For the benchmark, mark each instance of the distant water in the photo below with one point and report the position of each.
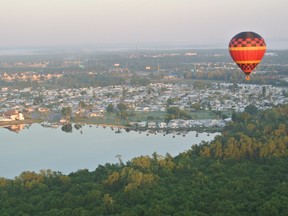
(36, 148)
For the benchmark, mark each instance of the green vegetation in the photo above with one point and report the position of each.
(176, 112)
(66, 111)
(123, 118)
(242, 172)
(97, 69)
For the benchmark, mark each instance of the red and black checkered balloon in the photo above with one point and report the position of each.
(247, 50)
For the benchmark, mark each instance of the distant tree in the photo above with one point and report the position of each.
(233, 87)
(138, 80)
(200, 84)
(110, 108)
(264, 91)
(251, 109)
(121, 107)
(124, 92)
(169, 101)
(173, 111)
(66, 111)
(234, 116)
(123, 114)
(38, 100)
(149, 91)
(82, 104)
(188, 75)
(196, 106)
(176, 112)
(83, 92)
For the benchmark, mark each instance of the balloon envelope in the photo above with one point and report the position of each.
(247, 50)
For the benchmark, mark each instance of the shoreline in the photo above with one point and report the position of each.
(38, 121)
(32, 121)
(17, 122)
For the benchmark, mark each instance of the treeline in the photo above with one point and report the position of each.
(235, 75)
(252, 135)
(241, 172)
(70, 81)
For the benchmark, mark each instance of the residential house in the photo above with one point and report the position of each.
(162, 125)
(173, 124)
(151, 124)
(14, 115)
(142, 124)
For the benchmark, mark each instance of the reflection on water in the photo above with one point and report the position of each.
(69, 128)
(14, 128)
(36, 147)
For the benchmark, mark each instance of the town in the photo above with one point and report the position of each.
(136, 97)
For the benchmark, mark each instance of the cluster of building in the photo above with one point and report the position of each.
(93, 102)
(28, 76)
(12, 115)
(180, 123)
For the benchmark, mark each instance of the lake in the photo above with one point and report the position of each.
(36, 147)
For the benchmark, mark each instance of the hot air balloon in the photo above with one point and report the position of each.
(247, 50)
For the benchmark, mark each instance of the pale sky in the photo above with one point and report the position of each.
(31, 23)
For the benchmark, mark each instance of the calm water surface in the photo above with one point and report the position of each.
(36, 148)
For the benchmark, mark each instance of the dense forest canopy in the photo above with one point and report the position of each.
(242, 172)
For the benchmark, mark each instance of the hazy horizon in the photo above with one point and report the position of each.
(127, 47)
(170, 23)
